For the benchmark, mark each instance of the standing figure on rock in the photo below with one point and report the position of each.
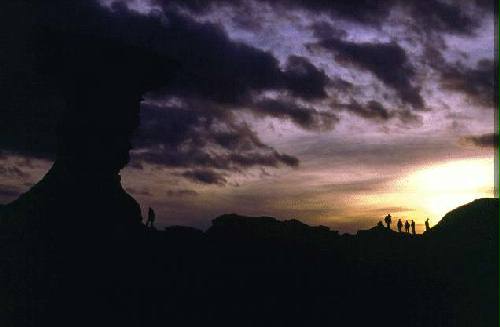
(151, 219)
(427, 228)
(413, 227)
(388, 221)
(400, 225)
(407, 227)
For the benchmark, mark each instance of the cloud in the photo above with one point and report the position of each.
(141, 192)
(428, 15)
(200, 137)
(212, 66)
(489, 140)
(304, 117)
(477, 84)
(365, 11)
(387, 61)
(370, 185)
(374, 110)
(274, 159)
(8, 193)
(13, 171)
(304, 80)
(205, 176)
(439, 16)
(324, 30)
(383, 154)
(181, 193)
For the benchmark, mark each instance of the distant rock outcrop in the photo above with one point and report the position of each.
(236, 226)
(478, 218)
(469, 234)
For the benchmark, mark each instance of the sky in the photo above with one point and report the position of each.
(331, 113)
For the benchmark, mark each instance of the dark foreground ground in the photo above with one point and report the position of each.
(263, 272)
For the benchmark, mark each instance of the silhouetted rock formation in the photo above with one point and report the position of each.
(262, 271)
(463, 249)
(69, 234)
(475, 218)
(73, 241)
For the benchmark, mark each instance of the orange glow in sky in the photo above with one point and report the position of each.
(445, 186)
(434, 190)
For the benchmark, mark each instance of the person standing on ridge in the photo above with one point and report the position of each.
(407, 227)
(388, 221)
(400, 225)
(151, 219)
(427, 228)
(413, 227)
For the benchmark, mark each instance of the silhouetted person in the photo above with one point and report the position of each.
(407, 227)
(151, 219)
(427, 227)
(400, 225)
(413, 227)
(380, 224)
(388, 221)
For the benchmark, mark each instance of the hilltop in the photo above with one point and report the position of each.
(477, 217)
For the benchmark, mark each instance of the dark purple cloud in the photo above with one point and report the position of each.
(201, 137)
(439, 16)
(375, 111)
(372, 110)
(274, 159)
(324, 30)
(304, 80)
(387, 61)
(427, 15)
(205, 176)
(489, 140)
(304, 117)
(477, 84)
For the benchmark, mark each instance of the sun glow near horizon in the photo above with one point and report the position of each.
(440, 188)
(432, 191)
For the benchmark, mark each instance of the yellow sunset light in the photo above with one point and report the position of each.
(442, 187)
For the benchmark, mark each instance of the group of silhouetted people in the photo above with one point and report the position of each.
(407, 225)
(388, 220)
